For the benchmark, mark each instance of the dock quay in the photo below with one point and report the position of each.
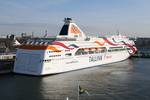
(7, 57)
(6, 63)
(142, 54)
(143, 47)
(8, 45)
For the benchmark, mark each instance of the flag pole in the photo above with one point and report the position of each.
(78, 91)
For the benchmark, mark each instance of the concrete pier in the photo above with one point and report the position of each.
(7, 56)
(143, 48)
(6, 63)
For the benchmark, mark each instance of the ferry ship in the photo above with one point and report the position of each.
(70, 50)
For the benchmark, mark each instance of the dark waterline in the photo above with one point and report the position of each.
(127, 80)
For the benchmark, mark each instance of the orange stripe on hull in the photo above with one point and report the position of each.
(101, 44)
(34, 47)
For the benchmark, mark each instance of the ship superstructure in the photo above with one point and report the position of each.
(70, 50)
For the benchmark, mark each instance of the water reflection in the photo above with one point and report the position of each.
(101, 80)
(127, 80)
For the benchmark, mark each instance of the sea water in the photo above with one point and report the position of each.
(126, 80)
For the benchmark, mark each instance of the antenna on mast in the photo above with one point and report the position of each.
(118, 32)
(45, 34)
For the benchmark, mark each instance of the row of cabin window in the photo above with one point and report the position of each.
(48, 60)
(128, 48)
(56, 51)
(113, 50)
(82, 52)
(67, 54)
(54, 55)
(52, 51)
(120, 47)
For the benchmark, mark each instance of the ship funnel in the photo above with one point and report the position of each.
(68, 20)
(71, 30)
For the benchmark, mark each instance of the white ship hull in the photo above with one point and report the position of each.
(36, 67)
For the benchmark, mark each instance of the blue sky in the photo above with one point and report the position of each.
(104, 17)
